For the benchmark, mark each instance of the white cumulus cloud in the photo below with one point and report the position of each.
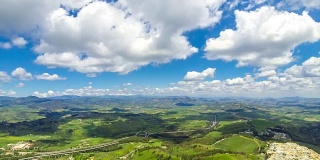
(266, 73)
(123, 36)
(239, 80)
(5, 45)
(309, 68)
(25, 16)
(264, 37)
(22, 74)
(19, 42)
(198, 76)
(4, 77)
(7, 93)
(50, 93)
(312, 61)
(291, 82)
(48, 77)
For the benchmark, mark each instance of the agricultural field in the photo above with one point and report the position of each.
(238, 144)
(153, 128)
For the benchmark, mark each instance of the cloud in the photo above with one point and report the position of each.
(91, 75)
(127, 84)
(260, 1)
(7, 93)
(232, 4)
(251, 4)
(50, 93)
(298, 4)
(4, 77)
(22, 74)
(75, 4)
(274, 86)
(23, 16)
(291, 82)
(309, 68)
(295, 70)
(19, 42)
(312, 61)
(20, 85)
(266, 73)
(26, 17)
(239, 81)
(197, 76)
(123, 36)
(264, 37)
(5, 45)
(48, 77)
(86, 91)
(235, 81)
(311, 4)
(90, 91)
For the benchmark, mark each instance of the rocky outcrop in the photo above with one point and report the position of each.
(290, 151)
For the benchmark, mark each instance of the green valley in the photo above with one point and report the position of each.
(153, 127)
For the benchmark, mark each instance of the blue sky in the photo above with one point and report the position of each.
(212, 48)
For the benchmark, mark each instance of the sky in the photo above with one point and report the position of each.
(201, 48)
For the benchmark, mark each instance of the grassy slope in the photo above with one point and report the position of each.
(15, 114)
(225, 157)
(238, 144)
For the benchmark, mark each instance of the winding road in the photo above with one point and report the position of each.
(146, 134)
(71, 151)
(95, 147)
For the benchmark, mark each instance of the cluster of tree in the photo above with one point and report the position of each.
(111, 148)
